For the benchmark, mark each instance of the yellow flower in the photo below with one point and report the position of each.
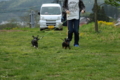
(81, 34)
(106, 23)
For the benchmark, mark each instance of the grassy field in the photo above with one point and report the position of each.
(97, 58)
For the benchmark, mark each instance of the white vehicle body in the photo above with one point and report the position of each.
(50, 15)
(118, 22)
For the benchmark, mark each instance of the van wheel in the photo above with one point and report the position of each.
(41, 29)
(59, 29)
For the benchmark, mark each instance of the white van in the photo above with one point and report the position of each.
(50, 16)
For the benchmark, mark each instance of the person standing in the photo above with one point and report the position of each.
(73, 8)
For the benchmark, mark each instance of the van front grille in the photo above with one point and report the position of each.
(50, 22)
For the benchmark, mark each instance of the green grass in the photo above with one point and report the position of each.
(97, 58)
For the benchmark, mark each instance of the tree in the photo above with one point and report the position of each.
(110, 2)
(96, 23)
(113, 2)
(101, 15)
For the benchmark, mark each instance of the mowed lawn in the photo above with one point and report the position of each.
(97, 58)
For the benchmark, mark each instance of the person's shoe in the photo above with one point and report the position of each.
(76, 45)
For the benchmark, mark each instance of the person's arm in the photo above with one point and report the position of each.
(65, 6)
(81, 6)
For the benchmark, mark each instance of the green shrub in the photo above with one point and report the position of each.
(8, 26)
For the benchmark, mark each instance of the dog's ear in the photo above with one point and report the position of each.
(65, 39)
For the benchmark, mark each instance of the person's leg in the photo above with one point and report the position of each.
(70, 29)
(76, 32)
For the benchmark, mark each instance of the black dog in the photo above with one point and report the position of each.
(66, 43)
(34, 42)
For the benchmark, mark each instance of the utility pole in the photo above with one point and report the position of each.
(32, 20)
(96, 23)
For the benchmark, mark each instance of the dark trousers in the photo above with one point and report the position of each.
(73, 27)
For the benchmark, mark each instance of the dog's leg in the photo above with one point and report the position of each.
(65, 47)
(37, 45)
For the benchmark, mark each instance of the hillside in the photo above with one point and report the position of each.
(15, 8)
(20, 4)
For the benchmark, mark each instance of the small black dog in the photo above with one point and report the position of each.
(34, 42)
(66, 43)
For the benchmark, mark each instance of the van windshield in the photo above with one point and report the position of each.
(50, 11)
